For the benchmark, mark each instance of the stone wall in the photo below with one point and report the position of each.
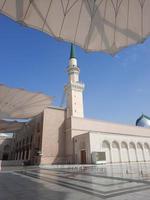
(53, 136)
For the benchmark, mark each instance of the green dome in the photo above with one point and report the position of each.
(143, 121)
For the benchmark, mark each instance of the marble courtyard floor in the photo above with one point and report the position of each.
(112, 182)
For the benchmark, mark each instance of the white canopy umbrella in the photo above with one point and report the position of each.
(21, 104)
(95, 25)
(10, 126)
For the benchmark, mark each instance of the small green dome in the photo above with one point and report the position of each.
(143, 121)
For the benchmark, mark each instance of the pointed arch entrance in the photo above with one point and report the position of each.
(125, 152)
(116, 152)
(147, 151)
(132, 152)
(140, 152)
(106, 149)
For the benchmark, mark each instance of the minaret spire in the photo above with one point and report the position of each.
(72, 52)
(73, 69)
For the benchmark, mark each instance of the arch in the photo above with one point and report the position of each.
(132, 152)
(116, 152)
(6, 148)
(124, 152)
(132, 145)
(147, 151)
(124, 145)
(105, 144)
(140, 152)
(6, 151)
(146, 146)
(106, 149)
(27, 154)
(115, 144)
(139, 145)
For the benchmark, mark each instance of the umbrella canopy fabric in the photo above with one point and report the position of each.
(10, 126)
(20, 104)
(95, 25)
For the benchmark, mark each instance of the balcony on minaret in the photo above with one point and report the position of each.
(73, 72)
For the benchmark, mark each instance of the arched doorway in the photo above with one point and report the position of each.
(125, 153)
(140, 152)
(106, 149)
(5, 156)
(6, 152)
(132, 152)
(147, 151)
(27, 154)
(116, 152)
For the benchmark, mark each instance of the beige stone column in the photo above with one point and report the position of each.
(21, 155)
(25, 154)
(18, 155)
(144, 153)
(29, 154)
(136, 152)
(120, 152)
(129, 159)
(111, 154)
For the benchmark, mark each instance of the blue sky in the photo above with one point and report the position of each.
(117, 88)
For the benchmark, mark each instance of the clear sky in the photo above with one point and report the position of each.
(117, 88)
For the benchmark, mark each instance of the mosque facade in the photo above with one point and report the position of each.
(64, 136)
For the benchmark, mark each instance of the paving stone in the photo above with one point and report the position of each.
(104, 182)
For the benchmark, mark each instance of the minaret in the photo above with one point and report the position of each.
(74, 88)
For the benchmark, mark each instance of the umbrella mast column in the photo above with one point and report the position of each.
(74, 89)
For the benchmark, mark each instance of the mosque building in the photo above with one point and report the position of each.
(64, 136)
